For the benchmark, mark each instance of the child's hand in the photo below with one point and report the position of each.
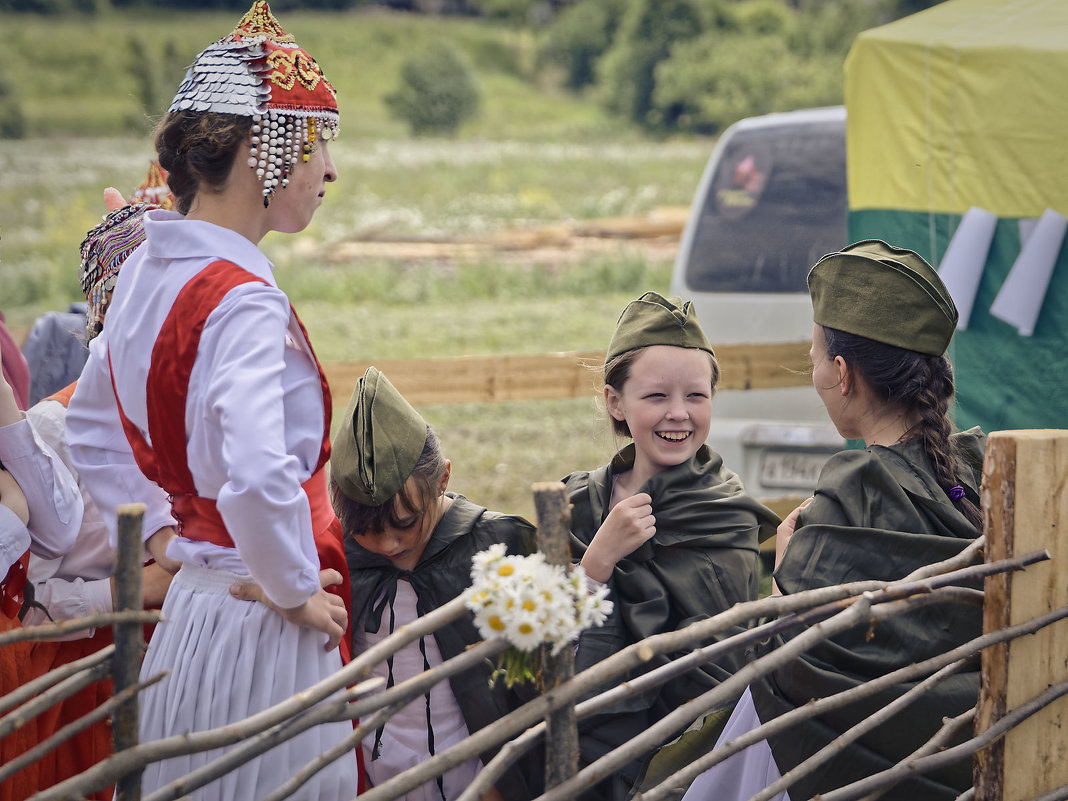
(12, 496)
(155, 581)
(113, 199)
(157, 547)
(327, 578)
(628, 526)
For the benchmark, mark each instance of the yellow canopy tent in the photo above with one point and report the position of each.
(965, 106)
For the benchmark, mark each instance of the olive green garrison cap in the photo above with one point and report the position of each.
(655, 320)
(883, 293)
(379, 442)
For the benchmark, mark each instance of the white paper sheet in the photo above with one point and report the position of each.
(1020, 299)
(962, 266)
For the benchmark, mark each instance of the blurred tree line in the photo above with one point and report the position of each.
(668, 66)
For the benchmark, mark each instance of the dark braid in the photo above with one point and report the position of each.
(917, 382)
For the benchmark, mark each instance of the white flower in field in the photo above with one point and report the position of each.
(530, 602)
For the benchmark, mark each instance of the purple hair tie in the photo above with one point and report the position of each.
(956, 493)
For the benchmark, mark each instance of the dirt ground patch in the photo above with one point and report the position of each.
(654, 236)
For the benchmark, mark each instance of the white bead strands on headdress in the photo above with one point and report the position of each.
(259, 71)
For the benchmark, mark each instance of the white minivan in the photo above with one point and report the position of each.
(772, 201)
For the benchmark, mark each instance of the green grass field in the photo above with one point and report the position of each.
(533, 156)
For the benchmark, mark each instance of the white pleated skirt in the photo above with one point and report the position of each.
(230, 659)
(743, 775)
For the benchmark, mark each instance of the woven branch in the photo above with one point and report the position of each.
(419, 684)
(107, 772)
(941, 738)
(822, 705)
(290, 787)
(75, 726)
(247, 750)
(66, 688)
(630, 657)
(53, 631)
(821, 757)
(954, 754)
(53, 677)
(861, 611)
(1060, 794)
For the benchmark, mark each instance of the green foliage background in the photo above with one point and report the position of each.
(589, 109)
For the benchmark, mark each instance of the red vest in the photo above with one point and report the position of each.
(165, 461)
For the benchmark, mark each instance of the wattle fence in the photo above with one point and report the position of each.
(1017, 745)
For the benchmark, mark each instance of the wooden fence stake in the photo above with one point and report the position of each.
(561, 735)
(1025, 508)
(129, 641)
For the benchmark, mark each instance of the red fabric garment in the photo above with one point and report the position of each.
(90, 745)
(16, 668)
(16, 368)
(173, 356)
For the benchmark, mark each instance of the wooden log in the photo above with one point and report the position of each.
(576, 374)
(1025, 508)
(561, 739)
(129, 640)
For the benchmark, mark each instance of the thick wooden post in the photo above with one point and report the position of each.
(129, 640)
(561, 736)
(1025, 508)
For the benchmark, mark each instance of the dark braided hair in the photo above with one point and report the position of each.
(917, 382)
(197, 150)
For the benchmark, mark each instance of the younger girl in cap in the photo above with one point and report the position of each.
(665, 524)
(203, 380)
(409, 544)
(883, 321)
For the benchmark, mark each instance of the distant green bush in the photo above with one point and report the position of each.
(12, 118)
(578, 37)
(647, 32)
(438, 91)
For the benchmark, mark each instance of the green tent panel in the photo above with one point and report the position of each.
(966, 104)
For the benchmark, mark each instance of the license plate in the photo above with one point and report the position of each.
(791, 468)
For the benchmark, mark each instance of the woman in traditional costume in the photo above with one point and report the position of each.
(204, 381)
(81, 582)
(409, 543)
(665, 524)
(883, 322)
(40, 511)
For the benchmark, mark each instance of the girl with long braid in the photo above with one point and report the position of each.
(883, 322)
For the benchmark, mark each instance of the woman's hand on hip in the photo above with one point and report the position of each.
(324, 611)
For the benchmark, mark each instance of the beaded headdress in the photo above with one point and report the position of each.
(104, 249)
(259, 71)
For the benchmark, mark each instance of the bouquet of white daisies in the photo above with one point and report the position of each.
(530, 602)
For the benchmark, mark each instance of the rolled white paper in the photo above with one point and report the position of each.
(1020, 299)
(1027, 225)
(962, 265)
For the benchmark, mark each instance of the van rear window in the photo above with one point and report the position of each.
(776, 203)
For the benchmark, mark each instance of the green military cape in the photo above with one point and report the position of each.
(877, 514)
(702, 560)
(442, 573)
